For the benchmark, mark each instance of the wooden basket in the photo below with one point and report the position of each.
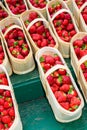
(20, 66)
(82, 23)
(74, 59)
(34, 46)
(6, 62)
(48, 51)
(60, 113)
(9, 21)
(64, 47)
(81, 79)
(69, 4)
(24, 16)
(76, 11)
(17, 124)
(11, 11)
(50, 4)
(2, 6)
(43, 10)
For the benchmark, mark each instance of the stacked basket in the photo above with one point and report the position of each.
(9, 115)
(9, 29)
(53, 70)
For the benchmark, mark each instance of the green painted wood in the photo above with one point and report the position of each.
(38, 115)
(27, 86)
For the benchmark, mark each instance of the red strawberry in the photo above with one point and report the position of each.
(60, 96)
(61, 71)
(65, 88)
(32, 29)
(36, 37)
(33, 15)
(6, 119)
(40, 29)
(49, 59)
(66, 79)
(65, 105)
(54, 87)
(50, 79)
(75, 102)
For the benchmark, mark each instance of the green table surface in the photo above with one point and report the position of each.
(38, 115)
(35, 111)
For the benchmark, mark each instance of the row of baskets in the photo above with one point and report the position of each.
(9, 113)
(30, 33)
(16, 8)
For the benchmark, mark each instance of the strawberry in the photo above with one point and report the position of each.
(54, 87)
(85, 75)
(32, 29)
(6, 119)
(1, 126)
(11, 112)
(40, 29)
(65, 105)
(65, 88)
(75, 102)
(61, 71)
(66, 79)
(36, 37)
(33, 15)
(50, 79)
(49, 59)
(60, 96)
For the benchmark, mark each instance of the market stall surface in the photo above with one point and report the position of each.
(35, 111)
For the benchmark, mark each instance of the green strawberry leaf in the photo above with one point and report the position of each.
(55, 55)
(15, 43)
(83, 46)
(85, 63)
(76, 106)
(1, 96)
(6, 125)
(42, 59)
(27, 21)
(60, 79)
(58, 23)
(53, 5)
(70, 90)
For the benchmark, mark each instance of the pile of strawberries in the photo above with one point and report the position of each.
(3, 79)
(84, 14)
(64, 26)
(48, 61)
(17, 44)
(7, 113)
(80, 47)
(39, 3)
(3, 13)
(33, 15)
(1, 53)
(41, 35)
(84, 69)
(80, 2)
(16, 6)
(62, 87)
(54, 8)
